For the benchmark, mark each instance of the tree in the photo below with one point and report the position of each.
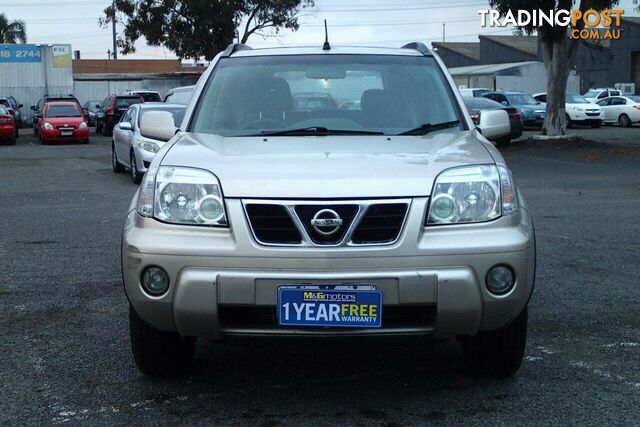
(199, 28)
(558, 51)
(12, 31)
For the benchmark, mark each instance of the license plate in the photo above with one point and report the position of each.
(330, 306)
(66, 132)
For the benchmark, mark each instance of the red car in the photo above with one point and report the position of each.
(62, 121)
(7, 126)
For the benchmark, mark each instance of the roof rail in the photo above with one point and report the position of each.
(234, 47)
(420, 47)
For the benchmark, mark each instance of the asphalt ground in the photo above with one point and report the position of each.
(64, 344)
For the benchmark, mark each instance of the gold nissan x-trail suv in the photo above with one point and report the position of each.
(315, 192)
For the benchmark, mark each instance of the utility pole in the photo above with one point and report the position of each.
(113, 30)
(443, 30)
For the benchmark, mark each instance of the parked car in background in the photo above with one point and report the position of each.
(147, 95)
(62, 121)
(578, 110)
(258, 219)
(179, 95)
(14, 105)
(37, 109)
(132, 149)
(4, 102)
(475, 106)
(624, 110)
(113, 107)
(91, 110)
(594, 95)
(314, 101)
(8, 128)
(532, 111)
(473, 92)
(351, 105)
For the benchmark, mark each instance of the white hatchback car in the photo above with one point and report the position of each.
(133, 150)
(578, 109)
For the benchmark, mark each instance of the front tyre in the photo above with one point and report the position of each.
(115, 164)
(158, 353)
(136, 176)
(497, 353)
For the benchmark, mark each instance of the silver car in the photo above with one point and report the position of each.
(134, 150)
(394, 218)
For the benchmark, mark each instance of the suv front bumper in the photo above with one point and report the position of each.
(224, 283)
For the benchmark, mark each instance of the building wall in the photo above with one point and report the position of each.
(29, 81)
(606, 66)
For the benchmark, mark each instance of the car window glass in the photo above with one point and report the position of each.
(126, 102)
(150, 97)
(618, 101)
(614, 93)
(249, 95)
(53, 111)
(3, 111)
(603, 103)
(603, 95)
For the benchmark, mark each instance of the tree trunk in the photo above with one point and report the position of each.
(557, 61)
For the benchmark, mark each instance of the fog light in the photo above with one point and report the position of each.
(500, 279)
(155, 281)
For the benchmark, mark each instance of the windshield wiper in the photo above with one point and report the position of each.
(428, 127)
(315, 130)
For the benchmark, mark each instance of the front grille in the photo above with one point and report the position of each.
(272, 224)
(380, 224)
(346, 213)
(331, 224)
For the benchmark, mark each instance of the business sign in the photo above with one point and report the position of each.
(20, 53)
(61, 56)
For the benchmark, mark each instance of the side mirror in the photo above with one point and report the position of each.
(505, 103)
(494, 124)
(85, 111)
(125, 126)
(158, 125)
(20, 105)
(33, 108)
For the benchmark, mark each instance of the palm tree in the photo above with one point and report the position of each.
(12, 31)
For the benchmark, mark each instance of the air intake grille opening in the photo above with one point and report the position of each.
(380, 224)
(272, 224)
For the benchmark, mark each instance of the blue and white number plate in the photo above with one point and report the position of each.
(336, 306)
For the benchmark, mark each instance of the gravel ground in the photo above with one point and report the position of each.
(64, 346)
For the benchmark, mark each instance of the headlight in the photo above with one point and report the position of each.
(83, 125)
(182, 196)
(578, 109)
(48, 126)
(151, 147)
(527, 110)
(472, 194)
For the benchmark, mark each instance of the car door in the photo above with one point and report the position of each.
(119, 138)
(618, 106)
(127, 135)
(605, 104)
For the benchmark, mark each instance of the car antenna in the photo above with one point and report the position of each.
(326, 45)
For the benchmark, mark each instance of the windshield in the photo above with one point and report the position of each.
(356, 93)
(635, 99)
(124, 103)
(63, 111)
(522, 99)
(577, 99)
(150, 96)
(177, 113)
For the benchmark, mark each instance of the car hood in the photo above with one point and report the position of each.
(585, 106)
(62, 121)
(330, 167)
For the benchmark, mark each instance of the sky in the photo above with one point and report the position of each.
(351, 22)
